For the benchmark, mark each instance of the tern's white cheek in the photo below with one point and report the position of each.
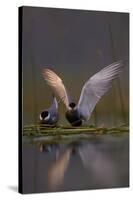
(70, 109)
(40, 117)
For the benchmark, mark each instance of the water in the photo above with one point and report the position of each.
(100, 162)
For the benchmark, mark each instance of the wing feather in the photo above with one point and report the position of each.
(56, 84)
(96, 87)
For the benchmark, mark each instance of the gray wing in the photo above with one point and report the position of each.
(96, 87)
(56, 85)
(54, 107)
(54, 110)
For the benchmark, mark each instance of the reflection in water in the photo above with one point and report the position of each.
(92, 159)
(57, 170)
(97, 163)
(50, 148)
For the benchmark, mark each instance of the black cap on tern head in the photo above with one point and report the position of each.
(44, 114)
(72, 105)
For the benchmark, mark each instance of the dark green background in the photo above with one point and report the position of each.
(75, 44)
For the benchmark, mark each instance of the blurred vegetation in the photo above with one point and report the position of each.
(53, 134)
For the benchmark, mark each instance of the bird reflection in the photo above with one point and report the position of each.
(50, 148)
(57, 170)
(95, 161)
(100, 165)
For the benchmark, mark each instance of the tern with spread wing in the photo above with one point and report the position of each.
(92, 91)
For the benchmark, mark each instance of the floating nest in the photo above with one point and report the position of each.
(54, 134)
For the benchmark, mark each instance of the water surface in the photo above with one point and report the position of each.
(100, 162)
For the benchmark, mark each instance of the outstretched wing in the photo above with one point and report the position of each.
(96, 87)
(56, 84)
